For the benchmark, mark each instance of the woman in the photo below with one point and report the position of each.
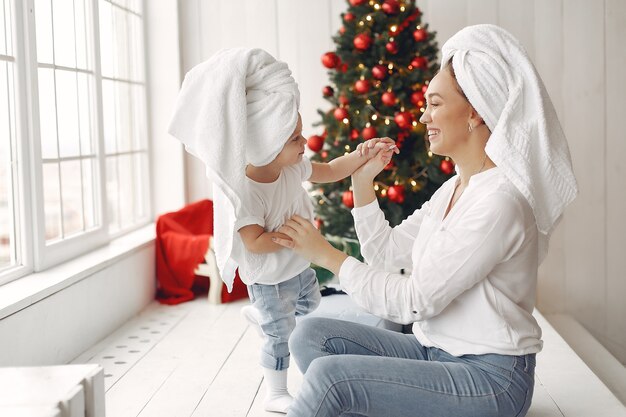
(476, 246)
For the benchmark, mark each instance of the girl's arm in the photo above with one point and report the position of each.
(257, 240)
(343, 166)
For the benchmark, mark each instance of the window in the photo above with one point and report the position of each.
(88, 153)
(123, 87)
(9, 254)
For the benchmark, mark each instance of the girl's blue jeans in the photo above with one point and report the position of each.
(352, 369)
(278, 306)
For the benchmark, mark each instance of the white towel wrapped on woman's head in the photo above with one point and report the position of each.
(527, 141)
(238, 107)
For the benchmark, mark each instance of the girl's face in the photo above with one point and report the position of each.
(447, 115)
(294, 148)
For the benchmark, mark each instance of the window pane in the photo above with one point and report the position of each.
(89, 186)
(124, 116)
(112, 194)
(120, 49)
(8, 187)
(141, 187)
(108, 115)
(3, 30)
(64, 39)
(139, 121)
(47, 114)
(52, 201)
(67, 113)
(71, 186)
(106, 38)
(126, 187)
(43, 21)
(82, 52)
(137, 57)
(85, 114)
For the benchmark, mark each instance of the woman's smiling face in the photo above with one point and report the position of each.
(447, 115)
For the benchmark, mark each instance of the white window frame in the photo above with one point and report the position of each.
(35, 253)
(20, 170)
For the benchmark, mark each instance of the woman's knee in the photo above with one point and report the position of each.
(308, 339)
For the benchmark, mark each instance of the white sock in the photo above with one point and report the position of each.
(250, 314)
(278, 398)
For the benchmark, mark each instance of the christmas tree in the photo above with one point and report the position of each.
(380, 70)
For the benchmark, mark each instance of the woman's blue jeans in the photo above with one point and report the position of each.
(352, 369)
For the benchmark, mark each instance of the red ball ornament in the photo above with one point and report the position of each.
(389, 98)
(379, 72)
(362, 86)
(354, 134)
(348, 198)
(342, 30)
(391, 7)
(404, 120)
(348, 17)
(343, 67)
(395, 193)
(424, 88)
(419, 62)
(417, 98)
(330, 60)
(315, 143)
(328, 91)
(318, 223)
(362, 41)
(324, 154)
(343, 100)
(392, 47)
(340, 113)
(369, 133)
(357, 2)
(446, 166)
(420, 35)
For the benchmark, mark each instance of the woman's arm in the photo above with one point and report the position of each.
(454, 260)
(381, 245)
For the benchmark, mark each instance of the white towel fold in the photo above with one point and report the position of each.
(527, 141)
(238, 107)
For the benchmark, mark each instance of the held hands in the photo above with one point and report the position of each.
(379, 152)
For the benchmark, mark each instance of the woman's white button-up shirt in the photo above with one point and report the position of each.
(471, 276)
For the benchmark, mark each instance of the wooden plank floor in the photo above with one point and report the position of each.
(201, 360)
(193, 359)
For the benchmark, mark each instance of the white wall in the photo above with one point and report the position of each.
(60, 327)
(579, 49)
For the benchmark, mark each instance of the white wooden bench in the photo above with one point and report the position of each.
(564, 385)
(52, 391)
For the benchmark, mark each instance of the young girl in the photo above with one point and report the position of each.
(238, 113)
(281, 284)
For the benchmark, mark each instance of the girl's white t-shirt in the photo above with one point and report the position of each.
(270, 205)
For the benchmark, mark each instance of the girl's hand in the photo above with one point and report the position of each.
(372, 147)
(309, 243)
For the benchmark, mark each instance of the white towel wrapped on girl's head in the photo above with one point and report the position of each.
(527, 141)
(238, 107)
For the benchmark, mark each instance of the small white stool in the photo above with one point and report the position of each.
(209, 269)
(52, 391)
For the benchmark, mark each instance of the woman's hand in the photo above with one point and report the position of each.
(371, 168)
(309, 243)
